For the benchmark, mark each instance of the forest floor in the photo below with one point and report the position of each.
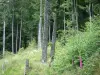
(14, 64)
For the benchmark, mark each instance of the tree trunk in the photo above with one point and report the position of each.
(17, 39)
(49, 33)
(20, 39)
(45, 32)
(13, 28)
(31, 36)
(40, 28)
(53, 38)
(4, 36)
(73, 14)
(64, 21)
(13, 33)
(76, 14)
(90, 14)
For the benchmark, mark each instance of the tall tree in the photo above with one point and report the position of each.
(90, 13)
(20, 37)
(49, 33)
(76, 14)
(13, 28)
(53, 37)
(40, 28)
(64, 19)
(4, 24)
(45, 32)
(17, 38)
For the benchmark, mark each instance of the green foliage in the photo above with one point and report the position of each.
(83, 44)
(15, 64)
(74, 44)
(92, 66)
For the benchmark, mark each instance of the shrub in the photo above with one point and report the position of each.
(83, 44)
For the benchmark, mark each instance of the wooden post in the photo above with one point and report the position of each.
(81, 64)
(73, 61)
(26, 67)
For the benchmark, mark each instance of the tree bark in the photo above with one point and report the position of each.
(64, 21)
(73, 13)
(90, 14)
(40, 28)
(4, 24)
(20, 39)
(45, 32)
(13, 32)
(76, 14)
(49, 33)
(53, 37)
(17, 39)
(13, 28)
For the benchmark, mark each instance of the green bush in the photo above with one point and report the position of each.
(83, 44)
(92, 66)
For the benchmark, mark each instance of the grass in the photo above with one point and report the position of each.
(14, 64)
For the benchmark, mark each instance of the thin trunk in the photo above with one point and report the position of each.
(4, 37)
(64, 21)
(20, 39)
(42, 36)
(13, 33)
(31, 37)
(90, 14)
(53, 38)
(13, 28)
(40, 28)
(73, 13)
(49, 33)
(46, 30)
(17, 39)
(76, 13)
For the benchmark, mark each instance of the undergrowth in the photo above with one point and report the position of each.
(83, 44)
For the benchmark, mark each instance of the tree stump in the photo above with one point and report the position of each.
(26, 67)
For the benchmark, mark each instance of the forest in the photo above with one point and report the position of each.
(49, 37)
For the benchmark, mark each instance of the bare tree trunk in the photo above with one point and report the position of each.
(46, 30)
(73, 13)
(49, 33)
(40, 28)
(42, 36)
(13, 28)
(17, 39)
(31, 36)
(53, 37)
(20, 39)
(4, 24)
(64, 22)
(90, 14)
(13, 33)
(76, 14)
